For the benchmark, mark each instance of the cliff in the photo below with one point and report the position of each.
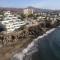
(10, 43)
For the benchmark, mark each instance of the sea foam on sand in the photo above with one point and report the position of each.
(19, 56)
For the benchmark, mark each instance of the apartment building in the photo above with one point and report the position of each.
(28, 11)
(11, 22)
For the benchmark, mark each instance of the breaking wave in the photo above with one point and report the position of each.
(21, 55)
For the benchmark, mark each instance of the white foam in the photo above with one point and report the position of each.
(50, 31)
(58, 26)
(21, 55)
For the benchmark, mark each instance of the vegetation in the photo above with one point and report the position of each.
(22, 16)
(17, 40)
(2, 27)
(21, 28)
(30, 15)
(21, 37)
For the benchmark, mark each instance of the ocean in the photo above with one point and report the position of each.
(45, 47)
(48, 47)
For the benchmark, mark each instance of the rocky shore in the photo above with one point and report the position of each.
(10, 43)
(17, 40)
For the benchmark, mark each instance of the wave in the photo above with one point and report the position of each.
(19, 56)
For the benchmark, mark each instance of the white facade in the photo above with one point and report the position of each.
(11, 22)
(28, 11)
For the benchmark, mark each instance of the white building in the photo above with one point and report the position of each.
(28, 11)
(11, 22)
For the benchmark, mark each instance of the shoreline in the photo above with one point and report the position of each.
(20, 55)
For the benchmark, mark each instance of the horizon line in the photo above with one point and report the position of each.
(27, 7)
